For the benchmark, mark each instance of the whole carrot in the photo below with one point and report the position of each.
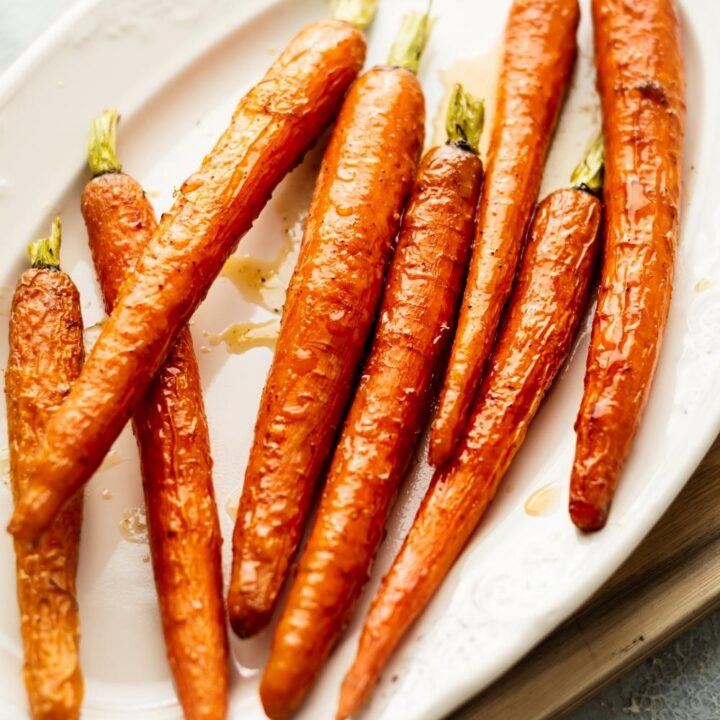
(543, 315)
(46, 354)
(332, 300)
(418, 308)
(640, 75)
(540, 47)
(172, 435)
(272, 127)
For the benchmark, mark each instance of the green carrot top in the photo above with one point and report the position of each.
(102, 144)
(588, 175)
(411, 40)
(465, 119)
(359, 13)
(45, 252)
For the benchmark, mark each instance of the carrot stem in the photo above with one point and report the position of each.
(359, 13)
(411, 40)
(465, 119)
(102, 144)
(45, 252)
(588, 175)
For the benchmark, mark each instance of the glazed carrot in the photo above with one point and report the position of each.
(540, 48)
(46, 354)
(366, 175)
(640, 74)
(418, 308)
(172, 436)
(536, 336)
(272, 127)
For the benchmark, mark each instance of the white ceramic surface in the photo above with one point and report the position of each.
(175, 68)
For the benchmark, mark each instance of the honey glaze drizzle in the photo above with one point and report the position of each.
(133, 526)
(232, 505)
(240, 337)
(112, 459)
(544, 501)
(264, 282)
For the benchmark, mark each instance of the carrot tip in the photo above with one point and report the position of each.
(587, 517)
(354, 693)
(348, 709)
(16, 528)
(29, 519)
(277, 700)
(437, 453)
(247, 621)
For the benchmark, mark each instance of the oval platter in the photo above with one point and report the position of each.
(175, 69)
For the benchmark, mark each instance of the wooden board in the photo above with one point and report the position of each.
(669, 583)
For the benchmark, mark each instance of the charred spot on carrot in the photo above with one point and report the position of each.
(653, 90)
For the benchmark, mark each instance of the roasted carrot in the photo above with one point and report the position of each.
(418, 308)
(539, 53)
(366, 175)
(172, 436)
(272, 127)
(46, 354)
(543, 315)
(641, 80)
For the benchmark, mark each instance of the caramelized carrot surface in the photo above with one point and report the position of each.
(540, 47)
(172, 436)
(543, 316)
(45, 356)
(331, 304)
(640, 75)
(418, 309)
(273, 125)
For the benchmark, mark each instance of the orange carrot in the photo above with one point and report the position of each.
(543, 315)
(418, 308)
(272, 127)
(540, 48)
(46, 354)
(366, 175)
(640, 73)
(172, 435)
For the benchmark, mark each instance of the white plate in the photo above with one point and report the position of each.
(175, 68)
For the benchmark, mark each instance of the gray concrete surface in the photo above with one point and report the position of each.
(682, 682)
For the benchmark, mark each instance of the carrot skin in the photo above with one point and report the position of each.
(641, 82)
(540, 48)
(46, 354)
(272, 127)
(366, 175)
(543, 316)
(418, 308)
(172, 435)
